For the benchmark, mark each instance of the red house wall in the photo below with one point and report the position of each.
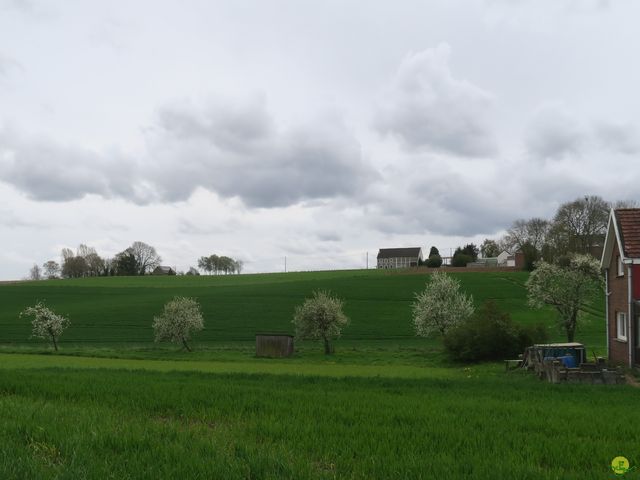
(618, 301)
(635, 280)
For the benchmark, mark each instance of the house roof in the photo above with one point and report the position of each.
(624, 229)
(164, 269)
(399, 252)
(628, 220)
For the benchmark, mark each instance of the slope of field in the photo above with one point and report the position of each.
(121, 309)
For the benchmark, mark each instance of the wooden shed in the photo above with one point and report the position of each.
(274, 345)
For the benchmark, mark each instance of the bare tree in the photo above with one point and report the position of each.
(582, 222)
(51, 269)
(35, 273)
(239, 265)
(527, 232)
(146, 257)
(66, 254)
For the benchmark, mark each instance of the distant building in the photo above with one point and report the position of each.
(399, 257)
(163, 271)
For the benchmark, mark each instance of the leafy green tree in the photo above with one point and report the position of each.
(125, 263)
(180, 317)
(569, 289)
(440, 306)
(460, 259)
(434, 251)
(472, 250)
(46, 324)
(531, 256)
(320, 318)
(489, 248)
(434, 261)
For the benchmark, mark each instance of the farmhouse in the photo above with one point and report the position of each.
(399, 257)
(621, 265)
(163, 271)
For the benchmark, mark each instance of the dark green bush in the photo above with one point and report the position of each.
(461, 260)
(434, 261)
(491, 335)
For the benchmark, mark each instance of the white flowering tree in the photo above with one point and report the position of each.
(180, 317)
(46, 324)
(568, 288)
(320, 318)
(440, 306)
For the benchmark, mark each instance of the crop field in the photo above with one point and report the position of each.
(111, 404)
(120, 309)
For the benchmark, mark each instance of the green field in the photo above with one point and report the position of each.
(118, 310)
(111, 404)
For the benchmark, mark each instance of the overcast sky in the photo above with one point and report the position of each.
(314, 130)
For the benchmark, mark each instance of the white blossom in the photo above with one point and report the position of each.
(567, 288)
(46, 323)
(180, 317)
(440, 306)
(320, 318)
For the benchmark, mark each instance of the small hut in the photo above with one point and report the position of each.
(274, 345)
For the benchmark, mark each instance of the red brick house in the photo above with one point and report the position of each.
(621, 265)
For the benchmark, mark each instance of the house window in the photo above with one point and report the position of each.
(621, 325)
(620, 267)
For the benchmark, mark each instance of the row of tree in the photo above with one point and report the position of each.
(138, 259)
(578, 226)
(214, 264)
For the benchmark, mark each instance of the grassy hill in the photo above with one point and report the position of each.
(386, 406)
(120, 309)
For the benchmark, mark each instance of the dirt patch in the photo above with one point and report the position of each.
(427, 270)
(632, 380)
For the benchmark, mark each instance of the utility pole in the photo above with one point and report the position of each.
(367, 260)
(285, 264)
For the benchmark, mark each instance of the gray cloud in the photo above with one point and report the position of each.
(328, 236)
(234, 150)
(553, 133)
(427, 108)
(237, 151)
(48, 171)
(451, 204)
(7, 65)
(618, 137)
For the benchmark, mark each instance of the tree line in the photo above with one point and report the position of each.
(138, 259)
(577, 227)
(214, 264)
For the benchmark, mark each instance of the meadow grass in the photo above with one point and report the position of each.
(476, 422)
(111, 404)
